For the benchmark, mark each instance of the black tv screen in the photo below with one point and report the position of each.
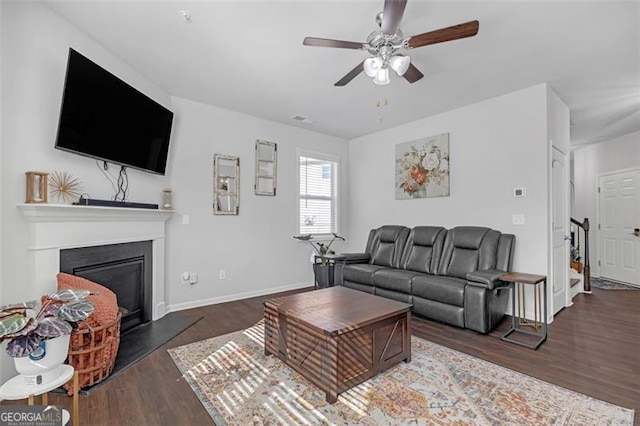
(105, 118)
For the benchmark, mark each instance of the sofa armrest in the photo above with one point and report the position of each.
(348, 258)
(489, 279)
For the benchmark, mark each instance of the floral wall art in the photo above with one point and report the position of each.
(422, 168)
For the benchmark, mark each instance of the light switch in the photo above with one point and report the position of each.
(517, 219)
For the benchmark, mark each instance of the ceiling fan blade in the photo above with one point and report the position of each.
(392, 15)
(350, 75)
(327, 42)
(455, 32)
(413, 74)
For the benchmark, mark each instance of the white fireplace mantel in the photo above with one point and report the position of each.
(54, 227)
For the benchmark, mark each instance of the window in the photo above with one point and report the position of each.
(318, 200)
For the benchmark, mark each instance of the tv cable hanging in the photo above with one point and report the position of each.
(120, 184)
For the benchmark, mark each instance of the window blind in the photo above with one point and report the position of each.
(318, 195)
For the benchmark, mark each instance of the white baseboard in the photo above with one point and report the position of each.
(232, 297)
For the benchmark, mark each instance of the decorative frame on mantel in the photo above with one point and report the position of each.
(266, 168)
(226, 184)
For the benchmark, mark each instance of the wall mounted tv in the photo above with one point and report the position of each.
(105, 118)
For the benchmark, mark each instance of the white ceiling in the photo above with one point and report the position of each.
(249, 57)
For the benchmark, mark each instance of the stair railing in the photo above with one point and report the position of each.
(585, 225)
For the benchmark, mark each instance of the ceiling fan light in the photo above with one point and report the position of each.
(400, 64)
(372, 66)
(382, 77)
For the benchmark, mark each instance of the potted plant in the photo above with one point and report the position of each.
(39, 338)
(322, 271)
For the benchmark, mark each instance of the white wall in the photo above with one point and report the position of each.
(558, 119)
(495, 146)
(35, 43)
(255, 248)
(589, 161)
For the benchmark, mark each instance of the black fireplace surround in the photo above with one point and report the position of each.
(125, 269)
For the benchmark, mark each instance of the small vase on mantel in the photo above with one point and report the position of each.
(166, 199)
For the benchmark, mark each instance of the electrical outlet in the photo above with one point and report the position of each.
(193, 278)
(223, 274)
(186, 276)
(517, 219)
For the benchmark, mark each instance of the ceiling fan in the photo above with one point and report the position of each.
(385, 43)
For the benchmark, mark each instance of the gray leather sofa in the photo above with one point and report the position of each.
(448, 275)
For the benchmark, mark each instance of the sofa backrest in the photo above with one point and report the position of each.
(423, 249)
(387, 245)
(468, 249)
(505, 252)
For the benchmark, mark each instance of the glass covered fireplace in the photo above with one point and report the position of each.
(125, 269)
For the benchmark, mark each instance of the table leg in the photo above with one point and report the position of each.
(407, 332)
(513, 306)
(76, 390)
(45, 399)
(544, 320)
(30, 400)
(330, 370)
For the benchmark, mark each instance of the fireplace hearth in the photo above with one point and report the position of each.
(125, 269)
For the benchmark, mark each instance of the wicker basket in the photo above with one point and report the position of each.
(92, 352)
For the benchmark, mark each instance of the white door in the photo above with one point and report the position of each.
(560, 230)
(619, 207)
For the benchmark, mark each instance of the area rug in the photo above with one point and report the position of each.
(605, 284)
(239, 385)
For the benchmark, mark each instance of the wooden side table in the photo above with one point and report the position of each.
(519, 320)
(15, 389)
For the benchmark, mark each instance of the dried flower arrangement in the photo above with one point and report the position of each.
(64, 186)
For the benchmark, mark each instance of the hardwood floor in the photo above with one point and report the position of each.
(593, 348)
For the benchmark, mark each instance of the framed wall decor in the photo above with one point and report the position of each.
(37, 183)
(422, 168)
(226, 184)
(266, 167)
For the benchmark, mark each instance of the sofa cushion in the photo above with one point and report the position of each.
(389, 294)
(394, 279)
(467, 249)
(441, 289)
(449, 314)
(360, 273)
(462, 262)
(424, 248)
(388, 245)
(361, 287)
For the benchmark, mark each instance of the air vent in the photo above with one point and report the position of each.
(302, 119)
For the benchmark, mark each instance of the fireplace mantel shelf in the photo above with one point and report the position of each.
(69, 213)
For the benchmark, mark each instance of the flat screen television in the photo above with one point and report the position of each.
(103, 117)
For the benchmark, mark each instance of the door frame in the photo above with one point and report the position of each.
(597, 201)
(552, 311)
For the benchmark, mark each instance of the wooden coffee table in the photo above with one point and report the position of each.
(337, 337)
